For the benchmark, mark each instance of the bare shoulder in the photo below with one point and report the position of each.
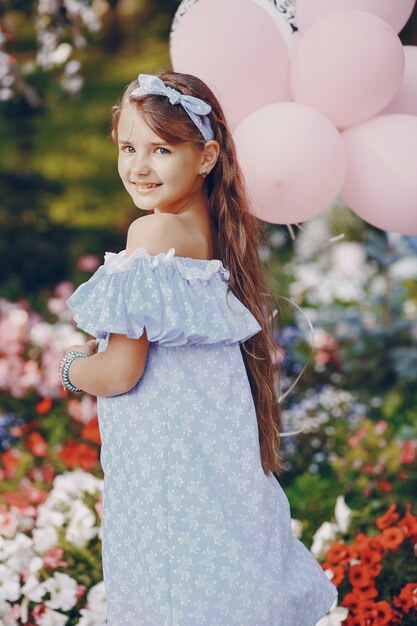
(158, 233)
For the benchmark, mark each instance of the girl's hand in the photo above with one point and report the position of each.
(89, 347)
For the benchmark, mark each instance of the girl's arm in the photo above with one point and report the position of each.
(112, 371)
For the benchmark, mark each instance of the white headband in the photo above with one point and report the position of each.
(196, 108)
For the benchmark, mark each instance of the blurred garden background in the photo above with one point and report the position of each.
(352, 476)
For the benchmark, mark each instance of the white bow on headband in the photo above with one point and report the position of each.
(196, 108)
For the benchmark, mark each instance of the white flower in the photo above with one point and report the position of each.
(305, 245)
(33, 589)
(9, 584)
(52, 618)
(18, 552)
(82, 526)
(323, 537)
(404, 268)
(348, 259)
(264, 253)
(61, 53)
(343, 514)
(278, 238)
(410, 309)
(95, 613)
(335, 616)
(44, 538)
(76, 482)
(72, 84)
(6, 94)
(63, 590)
(72, 67)
(296, 528)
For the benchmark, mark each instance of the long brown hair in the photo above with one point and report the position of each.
(237, 236)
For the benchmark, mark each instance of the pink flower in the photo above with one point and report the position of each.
(88, 262)
(64, 289)
(99, 506)
(13, 615)
(381, 426)
(37, 496)
(82, 410)
(30, 375)
(8, 524)
(13, 330)
(53, 558)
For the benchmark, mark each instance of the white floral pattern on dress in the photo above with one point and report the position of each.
(194, 533)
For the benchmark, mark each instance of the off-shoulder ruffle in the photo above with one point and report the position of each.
(179, 300)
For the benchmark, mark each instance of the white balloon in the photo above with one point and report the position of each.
(179, 13)
(282, 12)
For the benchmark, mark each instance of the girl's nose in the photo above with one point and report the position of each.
(139, 169)
(140, 164)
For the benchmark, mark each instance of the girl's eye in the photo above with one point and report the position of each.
(161, 148)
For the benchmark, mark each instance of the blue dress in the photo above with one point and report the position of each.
(194, 532)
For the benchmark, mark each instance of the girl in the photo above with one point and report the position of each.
(196, 527)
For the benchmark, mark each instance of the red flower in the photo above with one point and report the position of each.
(391, 538)
(339, 553)
(36, 444)
(385, 486)
(10, 461)
(15, 499)
(389, 517)
(361, 541)
(372, 554)
(378, 613)
(409, 524)
(407, 598)
(44, 406)
(351, 601)
(91, 431)
(338, 572)
(38, 611)
(79, 454)
(366, 591)
(408, 452)
(359, 577)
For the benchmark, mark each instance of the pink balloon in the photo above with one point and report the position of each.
(394, 12)
(405, 100)
(348, 65)
(381, 181)
(237, 49)
(293, 160)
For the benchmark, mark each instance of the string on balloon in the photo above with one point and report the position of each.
(331, 240)
(281, 397)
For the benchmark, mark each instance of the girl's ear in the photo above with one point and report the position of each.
(211, 153)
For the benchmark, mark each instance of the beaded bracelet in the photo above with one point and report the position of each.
(64, 366)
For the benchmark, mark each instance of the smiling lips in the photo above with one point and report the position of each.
(147, 187)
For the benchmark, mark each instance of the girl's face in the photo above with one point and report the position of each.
(145, 158)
